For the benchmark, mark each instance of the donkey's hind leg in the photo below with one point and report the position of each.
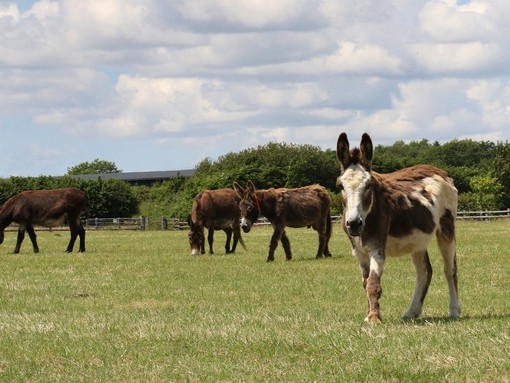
(423, 268)
(81, 233)
(286, 246)
(76, 229)
(448, 251)
(228, 231)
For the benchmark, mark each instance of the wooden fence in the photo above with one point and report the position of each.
(483, 215)
(164, 223)
(143, 223)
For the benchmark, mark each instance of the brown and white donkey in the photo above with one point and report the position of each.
(397, 213)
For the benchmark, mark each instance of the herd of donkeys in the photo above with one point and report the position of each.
(383, 215)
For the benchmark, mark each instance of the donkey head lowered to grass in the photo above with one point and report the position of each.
(216, 210)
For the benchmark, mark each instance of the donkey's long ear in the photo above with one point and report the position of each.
(250, 187)
(367, 150)
(239, 190)
(342, 150)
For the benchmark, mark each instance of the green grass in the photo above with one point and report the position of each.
(138, 308)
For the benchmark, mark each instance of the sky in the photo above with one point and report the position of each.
(162, 85)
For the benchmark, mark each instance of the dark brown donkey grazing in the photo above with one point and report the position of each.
(305, 206)
(46, 208)
(216, 210)
(393, 214)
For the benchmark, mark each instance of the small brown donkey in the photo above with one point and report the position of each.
(305, 206)
(393, 214)
(46, 208)
(216, 210)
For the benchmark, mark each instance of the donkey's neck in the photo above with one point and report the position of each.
(5, 217)
(265, 202)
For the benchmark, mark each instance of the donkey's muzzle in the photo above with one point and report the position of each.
(354, 227)
(245, 225)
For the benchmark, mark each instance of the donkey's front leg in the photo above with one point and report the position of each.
(277, 234)
(373, 287)
(210, 238)
(19, 239)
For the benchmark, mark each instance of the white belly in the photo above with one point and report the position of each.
(417, 241)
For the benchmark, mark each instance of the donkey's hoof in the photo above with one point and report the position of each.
(455, 311)
(409, 314)
(373, 318)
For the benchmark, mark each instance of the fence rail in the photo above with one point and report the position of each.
(484, 215)
(138, 223)
(145, 223)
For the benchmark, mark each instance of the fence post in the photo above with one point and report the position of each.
(164, 223)
(142, 222)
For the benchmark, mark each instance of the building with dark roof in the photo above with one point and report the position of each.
(139, 178)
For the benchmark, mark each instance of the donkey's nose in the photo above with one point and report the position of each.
(354, 226)
(245, 225)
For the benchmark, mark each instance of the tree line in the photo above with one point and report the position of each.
(481, 172)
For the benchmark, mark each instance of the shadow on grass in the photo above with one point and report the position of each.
(425, 321)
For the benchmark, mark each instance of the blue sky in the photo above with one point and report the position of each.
(154, 85)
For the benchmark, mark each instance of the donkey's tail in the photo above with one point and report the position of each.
(242, 242)
(328, 226)
(329, 229)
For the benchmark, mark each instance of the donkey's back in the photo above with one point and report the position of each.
(216, 208)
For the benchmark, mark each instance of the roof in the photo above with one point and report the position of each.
(139, 177)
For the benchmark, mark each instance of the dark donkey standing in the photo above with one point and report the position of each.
(46, 208)
(393, 214)
(300, 207)
(216, 210)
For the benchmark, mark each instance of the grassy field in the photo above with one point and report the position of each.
(138, 308)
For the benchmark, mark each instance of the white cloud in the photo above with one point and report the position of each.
(237, 74)
(246, 13)
(100, 24)
(459, 58)
(447, 21)
(493, 98)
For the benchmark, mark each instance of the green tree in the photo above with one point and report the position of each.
(95, 167)
(502, 170)
(487, 192)
(110, 198)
